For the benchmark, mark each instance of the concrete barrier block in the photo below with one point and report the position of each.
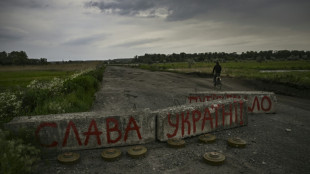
(198, 118)
(88, 130)
(258, 101)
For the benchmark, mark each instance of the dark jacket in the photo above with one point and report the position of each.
(217, 69)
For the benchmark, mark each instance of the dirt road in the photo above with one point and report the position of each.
(271, 149)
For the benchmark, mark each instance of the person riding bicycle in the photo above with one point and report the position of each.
(216, 72)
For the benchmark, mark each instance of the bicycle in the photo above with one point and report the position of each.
(218, 82)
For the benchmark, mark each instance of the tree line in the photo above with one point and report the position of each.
(19, 58)
(222, 56)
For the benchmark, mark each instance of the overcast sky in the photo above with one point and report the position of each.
(108, 29)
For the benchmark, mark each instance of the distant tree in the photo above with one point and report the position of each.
(260, 59)
(3, 58)
(18, 57)
(282, 54)
(211, 56)
(43, 61)
(3, 55)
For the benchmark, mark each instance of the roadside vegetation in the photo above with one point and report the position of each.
(18, 154)
(41, 90)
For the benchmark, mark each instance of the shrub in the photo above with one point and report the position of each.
(74, 94)
(9, 106)
(16, 156)
(86, 82)
(32, 98)
(97, 73)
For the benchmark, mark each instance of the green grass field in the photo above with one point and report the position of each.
(48, 89)
(18, 77)
(246, 70)
(12, 80)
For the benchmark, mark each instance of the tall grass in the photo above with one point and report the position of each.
(59, 95)
(36, 92)
(17, 156)
(75, 95)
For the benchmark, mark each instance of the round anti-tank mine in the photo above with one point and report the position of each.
(176, 143)
(137, 151)
(111, 154)
(236, 142)
(214, 158)
(207, 138)
(68, 157)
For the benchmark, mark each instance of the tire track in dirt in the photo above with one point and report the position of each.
(128, 88)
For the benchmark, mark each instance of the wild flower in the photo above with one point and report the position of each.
(9, 105)
(55, 107)
(37, 91)
(79, 73)
(56, 83)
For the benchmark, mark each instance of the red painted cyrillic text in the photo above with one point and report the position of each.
(269, 103)
(114, 129)
(196, 112)
(185, 120)
(224, 113)
(89, 132)
(176, 125)
(129, 128)
(207, 111)
(71, 124)
(42, 125)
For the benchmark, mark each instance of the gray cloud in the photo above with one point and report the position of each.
(137, 42)
(11, 34)
(131, 7)
(25, 3)
(101, 29)
(85, 40)
(262, 12)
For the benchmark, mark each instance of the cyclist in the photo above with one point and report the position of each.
(216, 72)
